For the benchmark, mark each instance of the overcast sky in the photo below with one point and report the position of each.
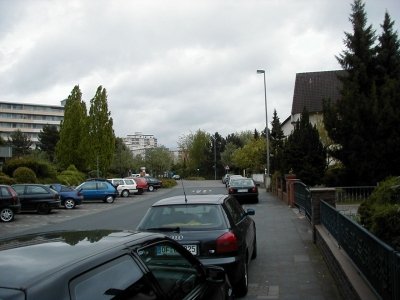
(173, 67)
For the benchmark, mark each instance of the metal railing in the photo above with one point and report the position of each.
(378, 262)
(353, 194)
(302, 198)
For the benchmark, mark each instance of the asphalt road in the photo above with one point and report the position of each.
(288, 265)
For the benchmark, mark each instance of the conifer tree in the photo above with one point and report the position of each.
(388, 91)
(101, 136)
(352, 123)
(48, 139)
(276, 139)
(71, 148)
(304, 153)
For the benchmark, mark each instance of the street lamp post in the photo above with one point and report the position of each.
(266, 121)
(215, 157)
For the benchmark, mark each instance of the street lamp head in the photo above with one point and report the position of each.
(260, 71)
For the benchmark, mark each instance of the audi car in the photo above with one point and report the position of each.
(214, 228)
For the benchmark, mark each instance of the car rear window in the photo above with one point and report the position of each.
(242, 182)
(192, 217)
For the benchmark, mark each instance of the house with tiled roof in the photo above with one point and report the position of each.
(310, 90)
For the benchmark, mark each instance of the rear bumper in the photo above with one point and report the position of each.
(245, 197)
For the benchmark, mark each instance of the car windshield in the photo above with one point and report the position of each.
(191, 217)
(242, 182)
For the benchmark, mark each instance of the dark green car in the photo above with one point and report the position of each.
(105, 264)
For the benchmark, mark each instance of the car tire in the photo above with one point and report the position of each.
(125, 193)
(43, 209)
(151, 188)
(6, 214)
(242, 285)
(69, 203)
(109, 199)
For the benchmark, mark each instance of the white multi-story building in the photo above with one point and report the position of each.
(28, 118)
(139, 142)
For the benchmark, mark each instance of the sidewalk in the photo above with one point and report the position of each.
(288, 265)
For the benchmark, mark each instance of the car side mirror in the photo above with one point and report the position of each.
(215, 274)
(250, 212)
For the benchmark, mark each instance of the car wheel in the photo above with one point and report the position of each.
(243, 284)
(6, 214)
(254, 255)
(69, 203)
(151, 188)
(109, 199)
(125, 193)
(43, 208)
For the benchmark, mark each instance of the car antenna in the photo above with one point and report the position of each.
(184, 193)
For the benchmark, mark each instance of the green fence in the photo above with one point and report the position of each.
(378, 262)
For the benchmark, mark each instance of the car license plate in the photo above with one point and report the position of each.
(191, 248)
(165, 250)
(242, 190)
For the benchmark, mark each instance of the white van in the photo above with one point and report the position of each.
(125, 186)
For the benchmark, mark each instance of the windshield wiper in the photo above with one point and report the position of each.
(166, 229)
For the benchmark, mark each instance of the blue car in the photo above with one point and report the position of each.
(98, 189)
(69, 196)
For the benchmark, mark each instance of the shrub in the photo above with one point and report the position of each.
(168, 183)
(380, 213)
(386, 224)
(71, 176)
(42, 169)
(4, 179)
(24, 175)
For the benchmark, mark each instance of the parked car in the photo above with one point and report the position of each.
(243, 189)
(105, 264)
(214, 228)
(231, 177)
(176, 177)
(38, 197)
(125, 186)
(69, 197)
(98, 189)
(141, 184)
(9, 203)
(153, 183)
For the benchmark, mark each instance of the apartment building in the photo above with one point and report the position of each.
(139, 142)
(28, 118)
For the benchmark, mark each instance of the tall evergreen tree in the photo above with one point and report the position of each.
(304, 153)
(276, 139)
(352, 123)
(101, 134)
(388, 90)
(71, 148)
(48, 139)
(20, 143)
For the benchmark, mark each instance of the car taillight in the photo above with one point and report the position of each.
(227, 243)
(15, 198)
(230, 190)
(254, 189)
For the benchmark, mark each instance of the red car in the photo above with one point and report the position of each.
(141, 184)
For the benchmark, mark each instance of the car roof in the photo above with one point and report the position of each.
(30, 258)
(191, 199)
